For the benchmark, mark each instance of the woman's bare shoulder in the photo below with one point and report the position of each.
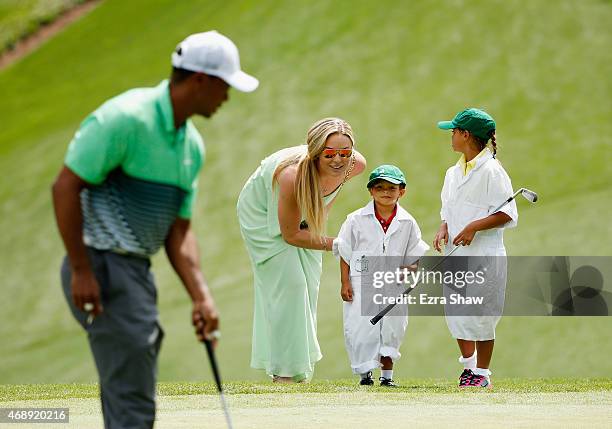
(286, 177)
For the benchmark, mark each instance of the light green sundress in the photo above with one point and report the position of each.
(286, 280)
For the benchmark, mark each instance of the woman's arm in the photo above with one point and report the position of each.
(289, 215)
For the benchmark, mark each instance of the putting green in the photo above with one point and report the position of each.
(364, 408)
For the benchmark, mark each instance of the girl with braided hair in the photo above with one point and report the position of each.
(473, 187)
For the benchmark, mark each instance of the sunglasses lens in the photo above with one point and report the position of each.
(344, 153)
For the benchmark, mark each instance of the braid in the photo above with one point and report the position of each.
(494, 144)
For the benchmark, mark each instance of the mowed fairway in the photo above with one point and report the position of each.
(515, 403)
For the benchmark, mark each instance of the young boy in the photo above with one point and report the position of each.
(382, 228)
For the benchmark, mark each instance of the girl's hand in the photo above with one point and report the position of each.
(465, 237)
(442, 234)
(346, 292)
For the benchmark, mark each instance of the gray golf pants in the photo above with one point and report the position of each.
(125, 339)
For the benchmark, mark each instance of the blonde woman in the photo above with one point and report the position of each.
(282, 211)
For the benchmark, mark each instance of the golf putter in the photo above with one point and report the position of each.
(213, 363)
(529, 195)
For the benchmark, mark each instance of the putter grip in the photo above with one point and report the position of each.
(374, 320)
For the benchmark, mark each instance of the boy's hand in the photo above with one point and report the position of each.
(441, 235)
(346, 292)
(404, 271)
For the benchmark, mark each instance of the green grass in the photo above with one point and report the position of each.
(31, 392)
(20, 18)
(392, 70)
(560, 402)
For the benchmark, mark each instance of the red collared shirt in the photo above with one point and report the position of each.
(385, 222)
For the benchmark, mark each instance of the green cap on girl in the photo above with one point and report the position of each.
(476, 121)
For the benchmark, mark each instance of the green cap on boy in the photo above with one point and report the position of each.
(387, 172)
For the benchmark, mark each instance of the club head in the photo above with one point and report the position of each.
(529, 195)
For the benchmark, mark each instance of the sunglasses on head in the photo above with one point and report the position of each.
(344, 153)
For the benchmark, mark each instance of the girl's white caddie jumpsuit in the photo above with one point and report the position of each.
(362, 235)
(468, 198)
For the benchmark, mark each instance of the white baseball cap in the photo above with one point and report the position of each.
(216, 55)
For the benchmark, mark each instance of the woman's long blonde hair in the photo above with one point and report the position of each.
(307, 187)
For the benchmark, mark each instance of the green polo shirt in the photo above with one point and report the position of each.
(142, 170)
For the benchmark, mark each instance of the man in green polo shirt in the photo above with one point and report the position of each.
(128, 188)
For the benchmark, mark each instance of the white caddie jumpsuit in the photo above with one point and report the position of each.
(468, 198)
(361, 234)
